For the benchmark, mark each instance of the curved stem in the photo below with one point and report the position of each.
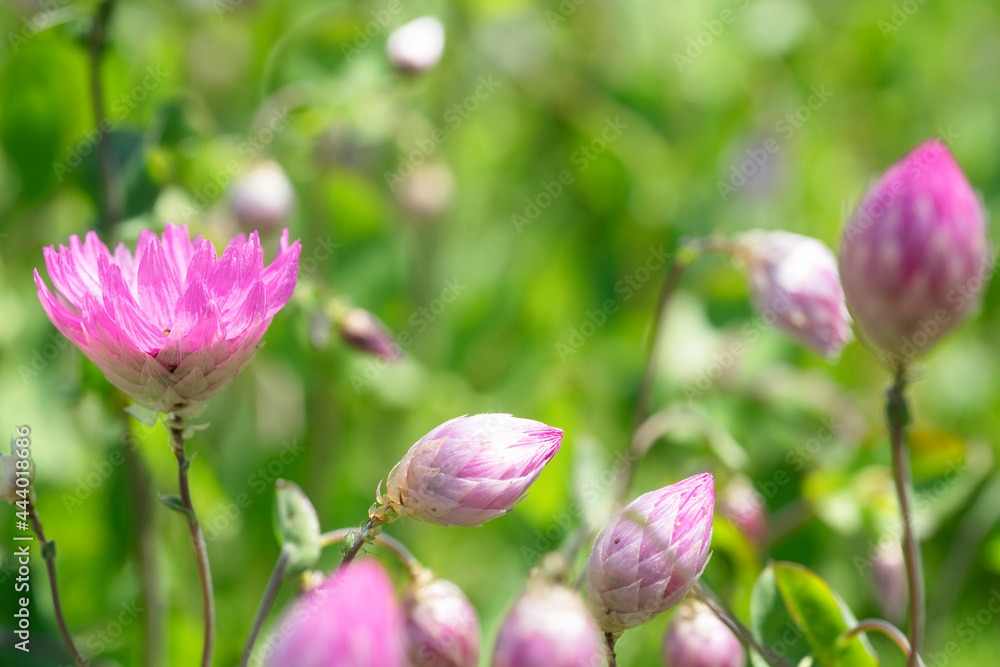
(391, 543)
(703, 593)
(898, 418)
(176, 428)
(49, 553)
(609, 641)
(265, 605)
(359, 541)
(887, 629)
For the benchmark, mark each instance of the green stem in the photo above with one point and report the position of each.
(889, 630)
(265, 605)
(49, 553)
(359, 541)
(110, 198)
(898, 418)
(392, 544)
(176, 428)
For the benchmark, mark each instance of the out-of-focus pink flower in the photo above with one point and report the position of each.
(362, 330)
(263, 197)
(442, 628)
(174, 323)
(549, 626)
(697, 638)
(796, 287)
(471, 469)
(417, 45)
(352, 619)
(913, 256)
(650, 554)
(746, 508)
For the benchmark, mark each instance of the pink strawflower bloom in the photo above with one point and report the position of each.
(650, 554)
(471, 469)
(352, 619)
(442, 627)
(173, 324)
(796, 287)
(549, 626)
(697, 638)
(914, 255)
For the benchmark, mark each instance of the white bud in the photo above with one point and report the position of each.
(417, 45)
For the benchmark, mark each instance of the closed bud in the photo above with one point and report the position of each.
(262, 198)
(352, 619)
(796, 287)
(744, 506)
(697, 638)
(442, 628)
(470, 469)
(650, 554)
(913, 255)
(417, 45)
(296, 526)
(549, 626)
(362, 330)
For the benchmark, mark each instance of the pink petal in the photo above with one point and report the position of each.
(158, 286)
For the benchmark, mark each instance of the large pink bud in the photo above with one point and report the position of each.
(352, 619)
(549, 626)
(470, 469)
(796, 286)
(442, 628)
(650, 554)
(174, 323)
(913, 256)
(697, 638)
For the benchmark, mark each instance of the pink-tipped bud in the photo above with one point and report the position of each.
(889, 572)
(417, 45)
(796, 286)
(362, 330)
(746, 508)
(442, 628)
(352, 619)
(471, 469)
(650, 554)
(697, 638)
(913, 256)
(262, 198)
(549, 626)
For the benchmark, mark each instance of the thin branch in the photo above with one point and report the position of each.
(265, 605)
(110, 188)
(887, 629)
(702, 592)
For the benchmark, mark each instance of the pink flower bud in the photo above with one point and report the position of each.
(914, 256)
(172, 325)
(697, 638)
(795, 285)
(744, 506)
(362, 330)
(262, 198)
(442, 628)
(549, 626)
(889, 572)
(416, 46)
(352, 619)
(650, 554)
(471, 469)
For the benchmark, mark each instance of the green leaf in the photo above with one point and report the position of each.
(823, 617)
(771, 623)
(175, 503)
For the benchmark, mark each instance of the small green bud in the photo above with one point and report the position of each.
(296, 527)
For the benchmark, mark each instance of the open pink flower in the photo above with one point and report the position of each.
(174, 323)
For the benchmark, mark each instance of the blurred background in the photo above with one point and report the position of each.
(510, 214)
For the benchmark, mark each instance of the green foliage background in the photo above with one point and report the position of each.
(691, 104)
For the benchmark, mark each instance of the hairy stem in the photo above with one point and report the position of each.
(49, 553)
(110, 187)
(887, 629)
(265, 606)
(703, 593)
(897, 416)
(176, 428)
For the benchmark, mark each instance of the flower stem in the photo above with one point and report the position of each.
(176, 428)
(265, 605)
(49, 553)
(392, 544)
(363, 536)
(609, 641)
(889, 630)
(110, 188)
(703, 593)
(897, 415)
